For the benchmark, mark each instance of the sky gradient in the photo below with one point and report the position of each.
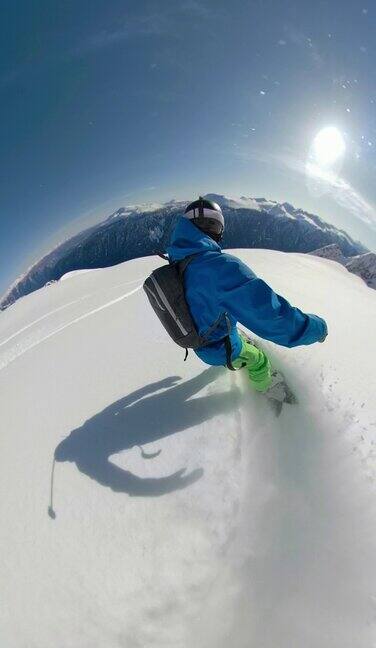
(109, 103)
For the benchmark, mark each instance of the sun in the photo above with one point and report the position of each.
(328, 146)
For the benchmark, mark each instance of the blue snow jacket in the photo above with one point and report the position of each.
(217, 282)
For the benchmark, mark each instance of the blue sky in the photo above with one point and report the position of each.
(105, 103)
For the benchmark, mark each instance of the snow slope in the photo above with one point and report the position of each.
(245, 530)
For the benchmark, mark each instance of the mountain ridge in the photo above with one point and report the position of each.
(363, 265)
(144, 230)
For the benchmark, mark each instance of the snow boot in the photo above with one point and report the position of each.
(268, 381)
(279, 392)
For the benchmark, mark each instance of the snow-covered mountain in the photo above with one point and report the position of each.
(332, 252)
(186, 513)
(142, 230)
(145, 208)
(363, 265)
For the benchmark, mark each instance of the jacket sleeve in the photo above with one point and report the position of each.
(255, 305)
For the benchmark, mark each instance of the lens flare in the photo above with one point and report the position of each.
(328, 146)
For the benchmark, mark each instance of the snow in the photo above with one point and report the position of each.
(259, 204)
(241, 202)
(156, 233)
(268, 536)
(74, 273)
(144, 208)
(132, 209)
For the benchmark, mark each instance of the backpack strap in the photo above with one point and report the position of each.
(184, 262)
(228, 345)
(180, 264)
(211, 329)
(228, 349)
(227, 341)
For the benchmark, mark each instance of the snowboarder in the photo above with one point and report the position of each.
(217, 283)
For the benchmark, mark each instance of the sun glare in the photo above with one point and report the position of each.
(328, 146)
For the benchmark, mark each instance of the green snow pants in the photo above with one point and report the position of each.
(257, 365)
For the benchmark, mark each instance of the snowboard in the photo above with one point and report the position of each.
(279, 392)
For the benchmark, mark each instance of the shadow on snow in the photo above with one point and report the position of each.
(143, 417)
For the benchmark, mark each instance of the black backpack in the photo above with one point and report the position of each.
(165, 291)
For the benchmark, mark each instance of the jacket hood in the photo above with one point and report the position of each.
(188, 239)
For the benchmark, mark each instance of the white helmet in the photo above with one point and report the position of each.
(207, 216)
